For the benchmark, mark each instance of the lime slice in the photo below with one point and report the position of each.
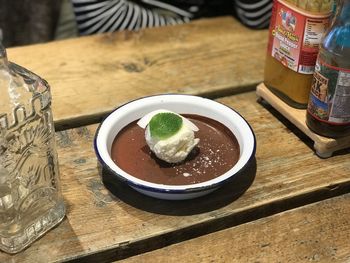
(164, 125)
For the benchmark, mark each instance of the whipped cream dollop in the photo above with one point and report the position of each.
(176, 147)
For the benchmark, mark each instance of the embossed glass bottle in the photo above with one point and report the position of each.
(30, 198)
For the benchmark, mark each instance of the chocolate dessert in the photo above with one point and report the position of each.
(216, 153)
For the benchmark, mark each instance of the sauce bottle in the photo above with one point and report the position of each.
(296, 29)
(328, 111)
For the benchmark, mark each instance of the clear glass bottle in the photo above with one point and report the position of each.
(328, 111)
(296, 29)
(30, 199)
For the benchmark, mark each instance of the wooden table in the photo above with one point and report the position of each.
(289, 206)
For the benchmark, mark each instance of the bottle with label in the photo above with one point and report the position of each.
(328, 111)
(296, 30)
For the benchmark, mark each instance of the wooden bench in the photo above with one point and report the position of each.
(90, 76)
(318, 232)
(217, 58)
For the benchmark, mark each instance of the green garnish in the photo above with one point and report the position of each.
(164, 125)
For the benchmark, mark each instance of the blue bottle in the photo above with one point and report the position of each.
(328, 111)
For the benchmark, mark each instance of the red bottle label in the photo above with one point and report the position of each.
(330, 94)
(295, 36)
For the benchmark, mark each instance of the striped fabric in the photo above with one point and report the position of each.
(97, 16)
(254, 14)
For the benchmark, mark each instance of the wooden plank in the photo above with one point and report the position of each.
(318, 232)
(101, 226)
(92, 75)
(324, 146)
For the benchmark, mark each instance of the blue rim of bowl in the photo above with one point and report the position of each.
(169, 191)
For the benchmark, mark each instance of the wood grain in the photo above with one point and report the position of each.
(315, 233)
(104, 225)
(90, 76)
(324, 146)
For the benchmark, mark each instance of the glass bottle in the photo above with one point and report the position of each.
(328, 111)
(30, 198)
(296, 29)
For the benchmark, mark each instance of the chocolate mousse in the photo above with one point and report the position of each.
(216, 153)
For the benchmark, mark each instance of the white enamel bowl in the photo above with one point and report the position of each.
(181, 104)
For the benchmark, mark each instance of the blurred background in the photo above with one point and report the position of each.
(24, 22)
